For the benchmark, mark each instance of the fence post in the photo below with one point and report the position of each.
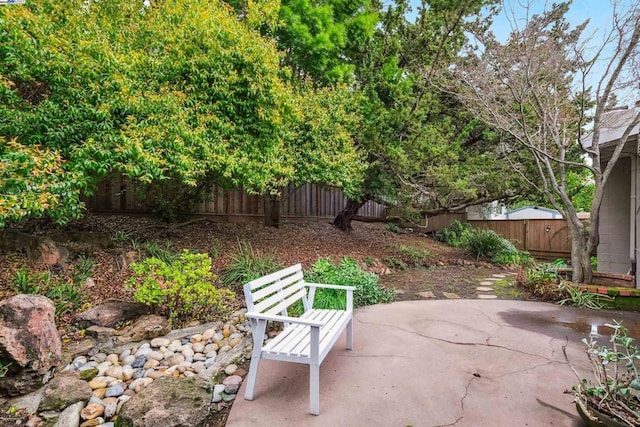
(526, 234)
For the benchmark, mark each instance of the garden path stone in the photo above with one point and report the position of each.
(450, 295)
(484, 289)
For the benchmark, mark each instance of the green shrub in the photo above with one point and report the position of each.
(484, 244)
(456, 234)
(66, 297)
(249, 264)
(183, 289)
(347, 272)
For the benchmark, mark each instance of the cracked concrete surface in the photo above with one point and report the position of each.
(435, 363)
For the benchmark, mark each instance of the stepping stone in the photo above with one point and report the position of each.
(426, 294)
(484, 289)
(486, 283)
(480, 296)
(501, 276)
(450, 295)
(400, 291)
(492, 279)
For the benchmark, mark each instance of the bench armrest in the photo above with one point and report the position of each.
(285, 319)
(324, 285)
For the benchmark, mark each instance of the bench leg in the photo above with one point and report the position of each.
(350, 335)
(258, 328)
(314, 389)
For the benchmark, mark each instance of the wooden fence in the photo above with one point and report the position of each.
(545, 238)
(440, 222)
(549, 238)
(308, 202)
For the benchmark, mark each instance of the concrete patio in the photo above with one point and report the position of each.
(439, 363)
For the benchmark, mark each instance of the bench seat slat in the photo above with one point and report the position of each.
(295, 340)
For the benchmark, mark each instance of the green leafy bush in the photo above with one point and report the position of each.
(489, 245)
(183, 289)
(347, 272)
(249, 264)
(456, 234)
(485, 244)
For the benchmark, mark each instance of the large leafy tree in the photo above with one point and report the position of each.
(426, 153)
(537, 86)
(181, 91)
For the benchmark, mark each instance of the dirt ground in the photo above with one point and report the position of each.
(106, 238)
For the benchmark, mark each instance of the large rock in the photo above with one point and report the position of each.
(110, 314)
(29, 342)
(145, 328)
(63, 391)
(168, 402)
(39, 249)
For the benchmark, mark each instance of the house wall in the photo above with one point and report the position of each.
(613, 250)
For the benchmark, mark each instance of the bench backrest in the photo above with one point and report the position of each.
(273, 293)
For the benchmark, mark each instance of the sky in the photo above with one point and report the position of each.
(598, 12)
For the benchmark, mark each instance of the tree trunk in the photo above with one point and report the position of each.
(271, 210)
(344, 218)
(581, 271)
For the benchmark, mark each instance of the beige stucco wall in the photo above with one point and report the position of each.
(613, 250)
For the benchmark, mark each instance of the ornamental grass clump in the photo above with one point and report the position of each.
(183, 290)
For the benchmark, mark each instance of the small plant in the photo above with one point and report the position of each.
(542, 281)
(83, 268)
(392, 226)
(397, 263)
(594, 263)
(120, 236)
(183, 289)
(161, 252)
(249, 264)
(615, 386)
(580, 298)
(414, 257)
(369, 261)
(66, 297)
(347, 272)
(456, 234)
(24, 283)
(215, 250)
(4, 369)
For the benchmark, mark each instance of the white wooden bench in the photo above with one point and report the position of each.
(305, 339)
